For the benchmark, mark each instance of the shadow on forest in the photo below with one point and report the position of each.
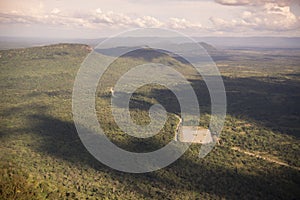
(270, 103)
(60, 139)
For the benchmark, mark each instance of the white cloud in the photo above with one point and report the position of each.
(280, 3)
(177, 23)
(52, 18)
(147, 21)
(107, 18)
(266, 15)
(55, 11)
(98, 10)
(93, 19)
(273, 17)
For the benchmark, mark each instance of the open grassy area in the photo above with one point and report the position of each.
(41, 155)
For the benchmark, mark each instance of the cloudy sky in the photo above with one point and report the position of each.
(100, 18)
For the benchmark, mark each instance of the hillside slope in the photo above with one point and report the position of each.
(41, 155)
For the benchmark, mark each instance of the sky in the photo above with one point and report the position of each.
(103, 18)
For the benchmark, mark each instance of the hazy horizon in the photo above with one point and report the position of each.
(8, 42)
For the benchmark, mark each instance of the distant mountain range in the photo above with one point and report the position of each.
(177, 51)
(218, 42)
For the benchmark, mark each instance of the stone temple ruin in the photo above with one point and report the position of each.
(193, 134)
